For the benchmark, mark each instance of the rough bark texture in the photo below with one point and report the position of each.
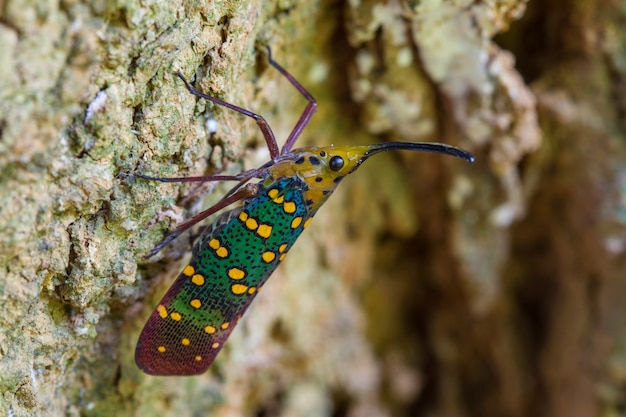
(426, 286)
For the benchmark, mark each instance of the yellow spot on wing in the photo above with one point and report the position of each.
(268, 256)
(272, 193)
(197, 279)
(252, 290)
(198, 358)
(189, 271)
(215, 345)
(236, 273)
(282, 257)
(296, 222)
(216, 245)
(162, 311)
(238, 288)
(185, 341)
(195, 303)
(176, 316)
(243, 216)
(252, 224)
(307, 222)
(264, 230)
(279, 200)
(209, 329)
(161, 349)
(225, 325)
(282, 247)
(289, 207)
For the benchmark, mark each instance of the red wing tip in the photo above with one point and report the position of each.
(160, 367)
(170, 372)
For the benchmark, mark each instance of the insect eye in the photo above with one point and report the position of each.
(335, 163)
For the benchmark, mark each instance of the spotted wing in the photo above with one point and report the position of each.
(230, 264)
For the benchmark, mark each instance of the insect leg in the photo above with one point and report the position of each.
(306, 114)
(192, 179)
(242, 176)
(270, 140)
(249, 190)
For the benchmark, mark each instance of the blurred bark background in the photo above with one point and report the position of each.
(426, 286)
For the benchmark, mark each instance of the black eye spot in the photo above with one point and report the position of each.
(300, 160)
(336, 163)
(313, 160)
(318, 179)
(323, 154)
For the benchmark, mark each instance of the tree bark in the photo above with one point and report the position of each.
(425, 286)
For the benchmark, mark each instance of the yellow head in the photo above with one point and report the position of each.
(323, 168)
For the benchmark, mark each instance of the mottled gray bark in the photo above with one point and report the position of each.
(426, 286)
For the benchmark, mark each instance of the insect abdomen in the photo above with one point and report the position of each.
(193, 320)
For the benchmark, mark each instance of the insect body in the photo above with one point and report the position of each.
(232, 260)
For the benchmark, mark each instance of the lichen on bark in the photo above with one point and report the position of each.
(425, 285)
